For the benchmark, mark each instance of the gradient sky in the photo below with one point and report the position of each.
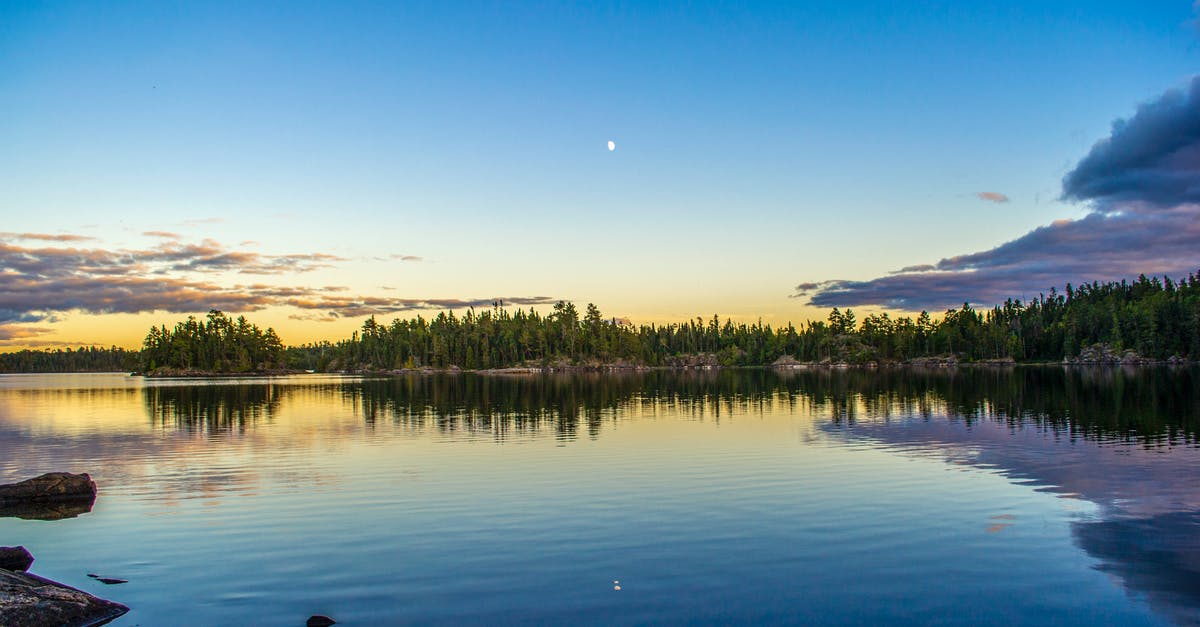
(310, 164)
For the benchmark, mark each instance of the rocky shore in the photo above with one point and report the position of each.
(27, 600)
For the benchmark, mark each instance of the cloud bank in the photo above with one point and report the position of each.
(39, 283)
(1142, 185)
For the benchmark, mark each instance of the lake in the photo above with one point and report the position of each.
(1040, 495)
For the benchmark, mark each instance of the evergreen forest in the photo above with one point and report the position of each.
(1148, 319)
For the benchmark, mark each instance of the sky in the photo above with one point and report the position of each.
(310, 164)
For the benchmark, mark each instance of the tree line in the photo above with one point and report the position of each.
(1154, 318)
(82, 359)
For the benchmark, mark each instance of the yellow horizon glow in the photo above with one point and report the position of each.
(128, 330)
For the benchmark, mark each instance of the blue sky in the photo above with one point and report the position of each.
(419, 155)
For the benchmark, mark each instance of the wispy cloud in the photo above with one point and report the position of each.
(992, 197)
(163, 234)
(1142, 186)
(46, 237)
(37, 283)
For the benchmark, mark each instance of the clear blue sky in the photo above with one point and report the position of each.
(758, 146)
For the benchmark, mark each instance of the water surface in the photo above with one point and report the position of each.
(1031, 495)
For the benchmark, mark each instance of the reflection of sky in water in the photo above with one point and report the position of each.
(1145, 526)
(714, 498)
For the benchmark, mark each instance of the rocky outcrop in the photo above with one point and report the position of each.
(30, 601)
(53, 486)
(15, 558)
(937, 361)
(1105, 354)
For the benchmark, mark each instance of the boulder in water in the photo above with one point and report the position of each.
(15, 558)
(52, 486)
(30, 601)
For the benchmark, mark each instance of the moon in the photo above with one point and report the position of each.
(612, 145)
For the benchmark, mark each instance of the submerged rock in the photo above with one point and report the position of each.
(107, 580)
(53, 486)
(15, 558)
(30, 601)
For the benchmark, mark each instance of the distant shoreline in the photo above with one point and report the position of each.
(533, 370)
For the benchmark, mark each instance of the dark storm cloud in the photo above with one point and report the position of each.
(1151, 158)
(1143, 186)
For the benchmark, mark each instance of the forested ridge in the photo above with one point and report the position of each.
(1146, 319)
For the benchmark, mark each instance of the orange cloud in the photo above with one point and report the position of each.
(992, 197)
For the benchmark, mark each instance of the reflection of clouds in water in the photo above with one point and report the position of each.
(1147, 528)
(171, 442)
(1157, 555)
(1000, 522)
(1123, 440)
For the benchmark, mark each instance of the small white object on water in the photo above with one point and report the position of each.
(616, 587)
(616, 581)
(612, 145)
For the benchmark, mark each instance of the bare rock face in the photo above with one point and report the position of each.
(15, 558)
(53, 486)
(30, 601)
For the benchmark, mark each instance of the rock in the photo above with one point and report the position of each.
(15, 558)
(30, 601)
(46, 510)
(54, 486)
(318, 620)
(107, 580)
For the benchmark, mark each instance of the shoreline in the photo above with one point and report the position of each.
(922, 364)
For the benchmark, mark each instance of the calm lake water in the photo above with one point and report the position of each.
(1028, 495)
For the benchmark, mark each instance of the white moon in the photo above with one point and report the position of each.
(611, 145)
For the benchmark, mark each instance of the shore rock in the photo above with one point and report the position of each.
(53, 486)
(46, 510)
(15, 558)
(30, 601)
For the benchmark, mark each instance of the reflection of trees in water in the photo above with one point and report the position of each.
(211, 408)
(1152, 405)
(565, 403)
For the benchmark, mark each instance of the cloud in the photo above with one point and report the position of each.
(163, 234)
(405, 257)
(10, 332)
(47, 237)
(1151, 159)
(354, 306)
(996, 197)
(38, 283)
(1142, 186)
